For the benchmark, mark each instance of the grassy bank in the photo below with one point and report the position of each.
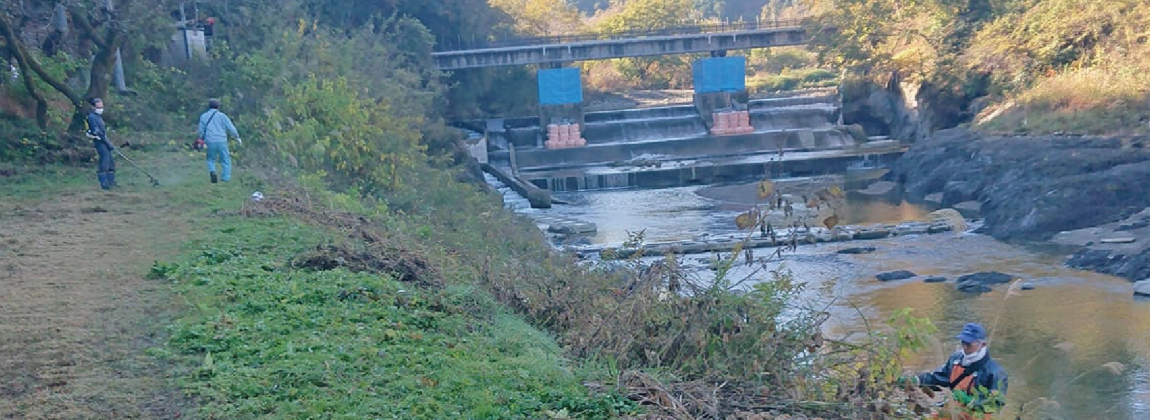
(291, 316)
(308, 304)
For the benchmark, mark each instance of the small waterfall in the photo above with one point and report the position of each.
(589, 182)
(645, 129)
(511, 199)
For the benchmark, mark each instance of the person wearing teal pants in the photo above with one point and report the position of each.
(214, 129)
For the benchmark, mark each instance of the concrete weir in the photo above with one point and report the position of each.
(783, 237)
(677, 172)
(678, 145)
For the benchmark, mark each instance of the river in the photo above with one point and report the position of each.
(1052, 340)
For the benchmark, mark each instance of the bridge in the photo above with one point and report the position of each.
(715, 39)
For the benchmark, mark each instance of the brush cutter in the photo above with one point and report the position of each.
(155, 182)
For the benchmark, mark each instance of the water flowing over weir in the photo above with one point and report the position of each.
(670, 146)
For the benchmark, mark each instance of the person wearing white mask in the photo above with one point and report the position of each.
(98, 132)
(977, 381)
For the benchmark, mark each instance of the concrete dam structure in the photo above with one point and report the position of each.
(673, 146)
(722, 135)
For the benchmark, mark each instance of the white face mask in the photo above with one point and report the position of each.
(99, 111)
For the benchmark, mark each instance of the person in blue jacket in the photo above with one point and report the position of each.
(978, 381)
(214, 129)
(98, 132)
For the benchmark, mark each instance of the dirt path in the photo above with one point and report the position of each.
(76, 313)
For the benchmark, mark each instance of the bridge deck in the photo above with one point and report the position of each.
(618, 48)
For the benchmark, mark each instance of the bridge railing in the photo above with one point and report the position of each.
(474, 43)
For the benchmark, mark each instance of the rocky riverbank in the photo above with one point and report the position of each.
(1088, 192)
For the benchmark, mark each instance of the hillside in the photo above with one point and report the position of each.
(380, 277)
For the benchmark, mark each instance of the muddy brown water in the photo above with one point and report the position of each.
(1053, 340)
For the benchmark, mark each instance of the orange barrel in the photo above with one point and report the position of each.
(719, 126)
(552, 131)
(744, 119)
(572, 135)
(563, 135)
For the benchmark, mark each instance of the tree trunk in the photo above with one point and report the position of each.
(17, 51)
(104, 61)
(118, 75)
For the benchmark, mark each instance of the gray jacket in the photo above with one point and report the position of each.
(215, 127)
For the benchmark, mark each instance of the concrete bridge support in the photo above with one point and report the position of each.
(720, 85)
(560, 100)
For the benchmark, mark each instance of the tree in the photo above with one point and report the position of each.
(542, 17)
(650, 15)
(101, 65)
(646, 15)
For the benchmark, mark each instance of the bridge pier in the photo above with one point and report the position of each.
(560, 107)
(720, 86)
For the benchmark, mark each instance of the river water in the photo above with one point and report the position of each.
(1052, 340)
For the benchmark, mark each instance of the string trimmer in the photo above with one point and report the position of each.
(155, 182)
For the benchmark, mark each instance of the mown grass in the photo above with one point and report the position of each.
(266, 340)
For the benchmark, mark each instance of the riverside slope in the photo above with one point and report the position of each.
(1031, 188)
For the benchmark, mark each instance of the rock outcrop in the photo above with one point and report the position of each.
(1031, 188)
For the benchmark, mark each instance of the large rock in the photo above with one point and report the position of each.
(901, 107)
(955, 192)
(1142, 288)
(981, 282)
(1031, 187)
(1116, 263)
(857, 250)
(895, 275)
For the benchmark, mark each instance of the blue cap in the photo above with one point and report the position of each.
(972, 332)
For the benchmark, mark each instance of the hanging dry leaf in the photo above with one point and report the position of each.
(747, 220)
(831, 221)
(766, 189)
(835, 191)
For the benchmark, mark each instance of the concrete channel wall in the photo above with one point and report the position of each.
(538, 197)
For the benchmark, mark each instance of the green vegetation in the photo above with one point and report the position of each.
(1039, 65)
(791, 80)
(279, 331)
(379, 280)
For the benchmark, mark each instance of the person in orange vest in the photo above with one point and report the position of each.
(978, 383)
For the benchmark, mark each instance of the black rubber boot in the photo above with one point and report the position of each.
(112, 180)
(103, 177)
(214, 179)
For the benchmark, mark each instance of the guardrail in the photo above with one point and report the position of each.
(462, 43)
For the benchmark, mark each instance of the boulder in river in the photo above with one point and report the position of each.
(981, 282)
(895, 275)
(934, 279)
(857, 250)
(1142, 288)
